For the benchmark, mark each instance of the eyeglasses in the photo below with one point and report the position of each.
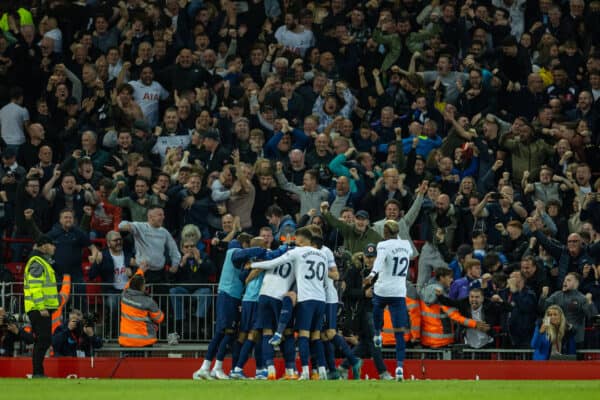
(188, 246)
(573, 241)
(117, 240)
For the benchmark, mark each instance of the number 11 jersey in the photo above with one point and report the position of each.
(391, 264)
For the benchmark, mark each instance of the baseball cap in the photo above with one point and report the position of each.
(370, 250)
(44, 239)
(362, 214)
(72, 101)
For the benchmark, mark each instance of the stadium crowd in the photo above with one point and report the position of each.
(168, 128)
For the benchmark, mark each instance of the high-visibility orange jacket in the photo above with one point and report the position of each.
(139, 314)
(436, 324)
(414, 319)
(63, 297)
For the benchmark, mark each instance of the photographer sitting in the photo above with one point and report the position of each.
(77, 337)
(10, 334)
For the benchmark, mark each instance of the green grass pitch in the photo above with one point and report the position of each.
(15, 389)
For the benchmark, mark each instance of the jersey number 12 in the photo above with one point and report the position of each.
(400, 266)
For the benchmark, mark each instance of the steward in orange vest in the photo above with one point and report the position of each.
(436, 319)
(139, 314)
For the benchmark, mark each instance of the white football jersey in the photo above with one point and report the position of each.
(331, 294)
(391, 263)
(309, 267)
(277, 282)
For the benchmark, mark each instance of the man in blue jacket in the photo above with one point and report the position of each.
(521, 319)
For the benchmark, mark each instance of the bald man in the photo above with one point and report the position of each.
(571, 257)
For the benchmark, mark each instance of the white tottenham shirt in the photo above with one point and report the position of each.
(148, 97)
(309, 267)
(391, 263)
(120, 276)
(277, 282)
(331, 294)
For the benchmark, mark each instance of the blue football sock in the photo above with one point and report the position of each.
(341, 344)
(400, 348)
(320, 353)
(329, 355)
(289, 352)
(304, 350)
(244, 353)
(258, 354)
(224, 346)
(235, 352)
(285, 316)
(377, 319)
(213, 346)
(267, 350)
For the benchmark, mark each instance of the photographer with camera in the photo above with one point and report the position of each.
(11, 334)
(76, 338)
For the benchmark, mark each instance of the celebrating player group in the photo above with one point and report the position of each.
(288, 299)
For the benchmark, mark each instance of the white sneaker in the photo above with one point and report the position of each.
(219, 374)
(202, 374)
(385, 376)
(399, 374)
(304, 377)
(343, 372)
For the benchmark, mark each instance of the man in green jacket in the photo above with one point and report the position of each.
(356, 236)
(528, 153)
(138, 206)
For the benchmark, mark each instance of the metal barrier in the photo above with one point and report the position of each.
(189, 309)
(191, 314)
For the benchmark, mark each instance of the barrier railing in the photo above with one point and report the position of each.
(190, 313)
(189, 308)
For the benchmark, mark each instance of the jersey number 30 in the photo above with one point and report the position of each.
(319, 271)
(400, 266)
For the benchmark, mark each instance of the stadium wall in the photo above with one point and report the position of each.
(182, 368)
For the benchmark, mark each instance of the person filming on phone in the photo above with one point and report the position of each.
(553, 338)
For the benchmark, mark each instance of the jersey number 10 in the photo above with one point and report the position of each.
(283, 270)
(400, 266)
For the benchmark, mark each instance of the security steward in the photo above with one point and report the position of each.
(41, 299)
(140, 315)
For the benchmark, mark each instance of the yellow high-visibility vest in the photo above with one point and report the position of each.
(40, 292)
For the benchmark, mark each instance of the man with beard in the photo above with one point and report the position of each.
(147, 93)
(294, 36)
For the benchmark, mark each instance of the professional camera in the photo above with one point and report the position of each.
(15, 319)
(10, 319)
(89, 319)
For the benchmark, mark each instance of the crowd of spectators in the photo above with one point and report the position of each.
(474, 124)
